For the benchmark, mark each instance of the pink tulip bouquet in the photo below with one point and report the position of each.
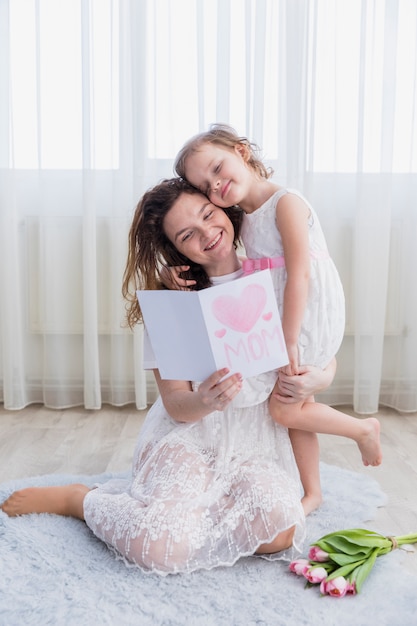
(341, 561)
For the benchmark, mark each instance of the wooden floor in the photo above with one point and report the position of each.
(37, 441)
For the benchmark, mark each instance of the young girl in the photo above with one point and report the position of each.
(280, 225)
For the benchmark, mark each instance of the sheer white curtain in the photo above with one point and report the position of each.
(362, 175)
(73, 165)
(97, 96)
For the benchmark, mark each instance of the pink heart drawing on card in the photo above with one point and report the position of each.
(240, 313)
(220, 333)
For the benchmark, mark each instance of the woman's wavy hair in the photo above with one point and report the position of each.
(225, 136)
(149, 249)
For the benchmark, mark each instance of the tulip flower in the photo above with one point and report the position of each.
(351, 588)
(317, 554)
(341, 561)
(299, 566)
(336, 587)
(315, 575)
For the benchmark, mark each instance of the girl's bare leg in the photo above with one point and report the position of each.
(63, 500)
(307, 456)
(320, 418)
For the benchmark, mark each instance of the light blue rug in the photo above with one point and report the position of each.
(53, 571)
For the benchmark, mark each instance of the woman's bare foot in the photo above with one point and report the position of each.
(311, 502)
(63, 500)
(369, 443)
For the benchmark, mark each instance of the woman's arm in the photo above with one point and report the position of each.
(309, 381)
(185, 405)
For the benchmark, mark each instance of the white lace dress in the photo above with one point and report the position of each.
(203, 494)
(324, 320)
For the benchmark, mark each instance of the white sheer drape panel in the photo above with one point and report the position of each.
(97, 96)
(67, 197)
(63, 343)
(371, 226)
(381, 299)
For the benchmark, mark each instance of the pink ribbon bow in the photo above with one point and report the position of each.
(256, 265)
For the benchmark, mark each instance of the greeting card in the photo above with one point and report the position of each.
(235, 325)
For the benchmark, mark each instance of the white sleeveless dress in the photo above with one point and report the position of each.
(203, 494)
(324, 320)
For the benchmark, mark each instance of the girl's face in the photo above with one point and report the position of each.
(220, 173)
(203, 233)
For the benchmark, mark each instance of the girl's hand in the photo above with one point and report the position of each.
(216, 392)
(170, 277)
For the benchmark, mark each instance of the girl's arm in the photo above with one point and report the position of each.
(292, 215)
(171, 277)
(185, 405)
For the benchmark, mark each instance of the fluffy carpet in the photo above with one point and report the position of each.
(54, 571)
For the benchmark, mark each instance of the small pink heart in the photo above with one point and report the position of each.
(220, 333)
(267, 317)
(241, 313)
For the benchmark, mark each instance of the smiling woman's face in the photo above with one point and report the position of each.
(203, 233)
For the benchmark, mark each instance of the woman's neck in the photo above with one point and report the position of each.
(228, 266)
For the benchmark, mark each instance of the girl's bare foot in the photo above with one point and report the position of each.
(311, 502)
(369, 443)
(63, 500)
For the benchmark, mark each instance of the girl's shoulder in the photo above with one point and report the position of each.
(272, 201)
(297, 196)
(289, 192)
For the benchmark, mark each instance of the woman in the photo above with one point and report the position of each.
(213, 477)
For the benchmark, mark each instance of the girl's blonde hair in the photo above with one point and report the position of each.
(225, 136)
(149, 248)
